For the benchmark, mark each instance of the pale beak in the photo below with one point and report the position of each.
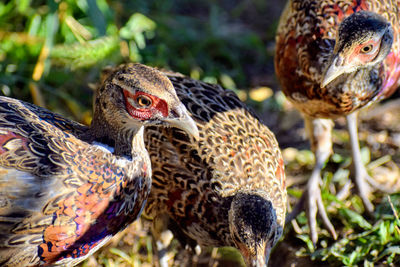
(258, 262)
(335, 69)
(183, 121)
(260, 259)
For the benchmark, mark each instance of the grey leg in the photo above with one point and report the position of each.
(360, 173)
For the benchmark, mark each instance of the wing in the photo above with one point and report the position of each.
(31, 174)
(60, 197)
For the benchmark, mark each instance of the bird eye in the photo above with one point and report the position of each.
(144, 101)
(366, 49)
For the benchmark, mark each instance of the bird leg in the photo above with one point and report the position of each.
(360, 172)
(161, 241)
(320, 134)
(161, 252)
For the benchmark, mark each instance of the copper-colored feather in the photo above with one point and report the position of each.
(334, 57)
(305, 42)
(62, 193)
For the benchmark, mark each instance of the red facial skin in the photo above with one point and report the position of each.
(148, 112)
(364, 57)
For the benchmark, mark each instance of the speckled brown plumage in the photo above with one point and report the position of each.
(305, 41)
(228, 187)
(333, 58)
(62, 193)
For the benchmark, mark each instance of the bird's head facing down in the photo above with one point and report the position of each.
(254, 228)
(364, 40)
(132, 95)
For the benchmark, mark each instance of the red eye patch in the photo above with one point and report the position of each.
(145, 113)
(365, 58)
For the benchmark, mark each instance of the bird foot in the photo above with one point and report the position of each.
(365, 183)
(311, 200)
(314, 205)
(364, 188)
(377, 186)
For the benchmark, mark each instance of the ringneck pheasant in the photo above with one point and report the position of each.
(66, 189)
(333, 58)
(225, 189)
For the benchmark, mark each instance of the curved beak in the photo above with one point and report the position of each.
(259, 259)
(336, 68)
(183, 121)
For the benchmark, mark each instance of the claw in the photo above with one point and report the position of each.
(312, 196)
(325, 218)
(315, 205)
(364, 189)
(319, 131)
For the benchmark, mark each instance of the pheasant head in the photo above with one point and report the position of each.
(364, 40)
(254, 228)
(134, 95)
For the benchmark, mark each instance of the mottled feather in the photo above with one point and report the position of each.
(304, 42)
(195, 181)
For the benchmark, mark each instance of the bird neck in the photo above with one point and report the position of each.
(137, 144)
(126, 139)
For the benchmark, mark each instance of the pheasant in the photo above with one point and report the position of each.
(226, 188)
(66, 189)
(332, 59)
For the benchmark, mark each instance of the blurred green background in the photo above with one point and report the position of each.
(51, 51)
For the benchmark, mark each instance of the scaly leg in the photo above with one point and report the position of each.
(360, 176)
(320, 134)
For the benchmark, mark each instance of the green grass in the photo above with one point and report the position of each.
(363, 240)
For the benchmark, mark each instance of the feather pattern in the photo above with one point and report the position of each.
(305, 41)
(334, 57)
(195, 181)
(65, 188)
(54, 185)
